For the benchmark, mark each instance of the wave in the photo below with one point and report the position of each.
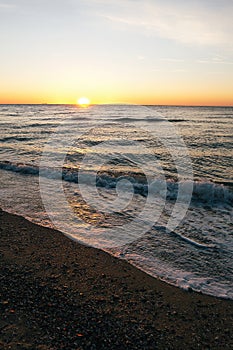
(204, 192)
(144, 120)
(19, 168)
(132, 120)
(41, 125)
(195, 243)
(16, 138)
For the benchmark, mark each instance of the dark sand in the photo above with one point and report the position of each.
(57, 294)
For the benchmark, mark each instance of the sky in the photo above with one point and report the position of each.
(122, 51)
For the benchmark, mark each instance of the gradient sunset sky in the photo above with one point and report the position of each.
(133, 51)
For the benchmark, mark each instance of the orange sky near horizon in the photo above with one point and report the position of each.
(148, 98)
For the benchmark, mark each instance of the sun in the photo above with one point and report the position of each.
(83, 102)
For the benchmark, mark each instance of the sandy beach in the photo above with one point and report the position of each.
(58, 294)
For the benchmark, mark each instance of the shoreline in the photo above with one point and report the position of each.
(59, 294)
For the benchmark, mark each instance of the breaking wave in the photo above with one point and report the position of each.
(204, 192)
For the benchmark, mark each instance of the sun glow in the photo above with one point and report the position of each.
(83, 102)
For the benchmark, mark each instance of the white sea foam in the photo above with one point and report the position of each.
(204, 192)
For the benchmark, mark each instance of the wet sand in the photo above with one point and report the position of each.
(58, 294)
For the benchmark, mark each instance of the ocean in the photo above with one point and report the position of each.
(149, 184)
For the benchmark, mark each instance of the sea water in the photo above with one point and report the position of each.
(123, 143)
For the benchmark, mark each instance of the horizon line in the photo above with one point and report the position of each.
(111, 104)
